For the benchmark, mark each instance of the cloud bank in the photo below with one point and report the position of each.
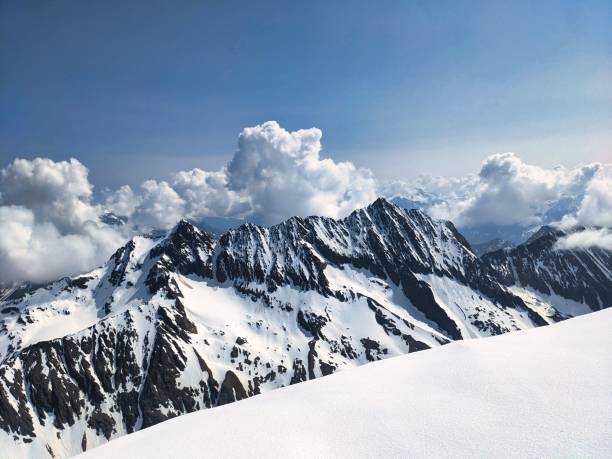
(48, 226)
(508, 191)
(51, 225)
(596, 206)
(595, 210)
(273, 175)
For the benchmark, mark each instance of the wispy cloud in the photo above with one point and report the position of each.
(586, 239)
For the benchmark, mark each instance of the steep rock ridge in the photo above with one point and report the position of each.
(383, 239)
(182, 322)
(583, 276)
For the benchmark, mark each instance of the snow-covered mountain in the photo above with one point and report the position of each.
(184, 322)
(576, 281)
(537, 393)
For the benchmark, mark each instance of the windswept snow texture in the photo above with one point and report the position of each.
(536, 393)
(186, 322)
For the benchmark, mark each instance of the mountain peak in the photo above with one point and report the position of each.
(385, 205)
(184, 225)
(189, 249)
(381, 203)
(544, 230)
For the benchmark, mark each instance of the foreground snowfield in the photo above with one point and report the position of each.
(545, 392)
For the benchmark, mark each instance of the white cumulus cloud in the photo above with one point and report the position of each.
(58, 192)
(122, 201)
(586, 239)
(48, 226)
(509, 191)
(282, 174)
(596, 206)
(273, 175)
(159, 206)
(207, 194)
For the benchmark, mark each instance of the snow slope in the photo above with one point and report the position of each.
(537, 393)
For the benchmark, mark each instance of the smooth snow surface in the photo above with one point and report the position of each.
(545, 392)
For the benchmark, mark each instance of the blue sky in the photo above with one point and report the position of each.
(137, 90)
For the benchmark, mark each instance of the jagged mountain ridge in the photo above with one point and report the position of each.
(536, 268)
(185, 322)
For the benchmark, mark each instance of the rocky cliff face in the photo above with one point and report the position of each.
(185, 322)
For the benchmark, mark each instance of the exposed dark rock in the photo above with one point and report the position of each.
(390, 328)
(120, 262)
(312, 356)
(102, 423)
(11, 420)
(79, 282)
(326, 368)
(299, 372)
(373, 350)
(231, 389)
(50, 390)
(161, 391)
(421, 296)
(188, 249)
(311, 323)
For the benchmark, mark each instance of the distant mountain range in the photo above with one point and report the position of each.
(491, 246)
(482, 237)
(188, 320)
